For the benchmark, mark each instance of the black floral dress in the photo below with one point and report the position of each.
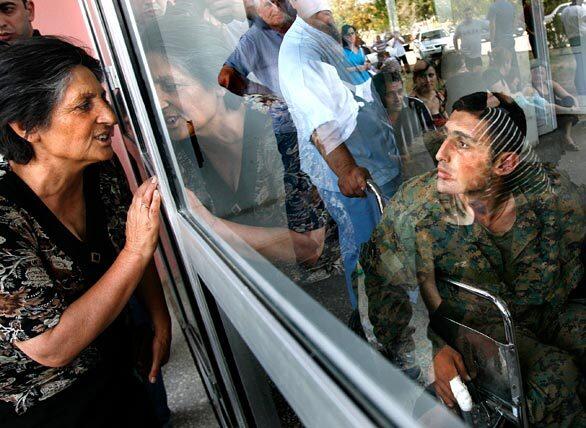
(43, 269)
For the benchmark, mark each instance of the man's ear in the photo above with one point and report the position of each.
(30, 6)
(506, 163)
(31, 137)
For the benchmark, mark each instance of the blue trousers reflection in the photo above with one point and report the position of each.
(305, 210)
(356, 219)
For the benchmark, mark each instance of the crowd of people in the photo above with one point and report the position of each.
(280, 126)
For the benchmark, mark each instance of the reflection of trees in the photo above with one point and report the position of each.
(556, 34)
(364, 15)
(410, 12)
(372, 15)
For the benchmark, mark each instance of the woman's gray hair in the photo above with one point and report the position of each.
(34, 74)
(196, 47)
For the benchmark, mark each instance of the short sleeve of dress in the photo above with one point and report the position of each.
(29, 303)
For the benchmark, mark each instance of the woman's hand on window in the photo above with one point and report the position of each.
(142, 221)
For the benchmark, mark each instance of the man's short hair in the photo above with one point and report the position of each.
(506, 128)
(496, 123)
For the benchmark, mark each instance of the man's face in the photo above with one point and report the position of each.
(464, 163)
(150, 9)
(394, 96)
(270, 13)
(325, 22)
(16, 19)
(467, 15)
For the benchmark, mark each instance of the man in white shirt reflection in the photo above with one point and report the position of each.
(343, 140)
(574, 20)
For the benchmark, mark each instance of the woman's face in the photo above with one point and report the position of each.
(81, 124)
(427, 80)
(184, 99)
(350, 36)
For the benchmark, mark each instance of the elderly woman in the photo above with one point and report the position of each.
(74, 247)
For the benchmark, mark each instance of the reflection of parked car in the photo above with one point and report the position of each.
(431, 43)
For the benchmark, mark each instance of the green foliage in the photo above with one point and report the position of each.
(373, 15)
(364, 16)
(410, 11)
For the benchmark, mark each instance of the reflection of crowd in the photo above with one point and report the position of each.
(280, 135)
(281, 126)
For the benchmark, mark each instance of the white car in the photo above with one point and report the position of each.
(431, 43)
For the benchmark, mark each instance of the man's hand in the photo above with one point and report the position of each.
(352, 182)
(447, 364)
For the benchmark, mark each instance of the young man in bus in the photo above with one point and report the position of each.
(16, 17)
(491, 217)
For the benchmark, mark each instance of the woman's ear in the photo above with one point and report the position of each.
(31, 137)
(506, 163)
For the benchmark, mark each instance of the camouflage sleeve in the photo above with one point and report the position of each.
(552, 273)
(29, 303)
(573, 222)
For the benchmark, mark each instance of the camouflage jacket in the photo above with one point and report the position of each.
(420, 237)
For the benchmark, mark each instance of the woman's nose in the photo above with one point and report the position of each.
(107, 114)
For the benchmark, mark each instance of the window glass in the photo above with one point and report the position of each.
(294, 122)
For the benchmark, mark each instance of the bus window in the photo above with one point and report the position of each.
(428, 197)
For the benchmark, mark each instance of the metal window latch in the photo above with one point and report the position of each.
(112, 77)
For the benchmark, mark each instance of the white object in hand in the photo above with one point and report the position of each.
(461, 393)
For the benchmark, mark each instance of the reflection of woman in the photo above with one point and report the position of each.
(425, 88)
(238, 185)
(563, 103)
(502, 60)
(357, 63)
(72, 251)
